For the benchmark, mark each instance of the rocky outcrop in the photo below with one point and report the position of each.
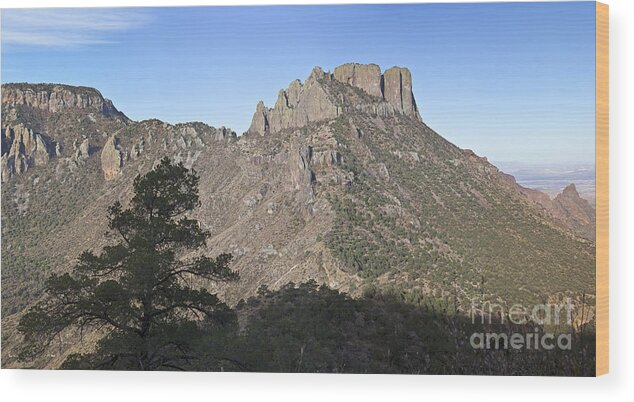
(54, 98)
(301, 104)
(365, 76)
(21, 150)
(32, 105)
(82, 152)
(397, 90)
(327, 158)
(302, 174)
(260, 120)
(111, 159)
(225, 134)
(296, 106)
(394, 86)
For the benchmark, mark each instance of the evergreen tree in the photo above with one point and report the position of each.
(137, 292)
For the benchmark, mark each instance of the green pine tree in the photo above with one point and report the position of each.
(136, 292)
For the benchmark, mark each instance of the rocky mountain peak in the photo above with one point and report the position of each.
(318, 99)
(570, 191)
(394, 85)
(575, 211)
(296, 106)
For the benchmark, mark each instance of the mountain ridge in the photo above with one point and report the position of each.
(57, 97)
(343, 187)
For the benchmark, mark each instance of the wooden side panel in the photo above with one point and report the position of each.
(602, 183)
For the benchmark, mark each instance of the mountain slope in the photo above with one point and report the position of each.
(341, 182)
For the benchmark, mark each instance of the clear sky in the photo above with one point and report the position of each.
(513, 81)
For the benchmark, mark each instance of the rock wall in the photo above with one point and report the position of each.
(394, 86)
(364, 76)
(56, 98)
(397, 90)
(21, 150)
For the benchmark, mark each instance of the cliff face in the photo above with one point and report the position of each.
(364, 76)
(394, 85)
(398, 90)
(55, 98)
(315, 100)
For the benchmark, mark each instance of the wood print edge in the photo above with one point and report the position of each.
(602, 188)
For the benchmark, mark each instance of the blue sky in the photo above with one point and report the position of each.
(513, 81)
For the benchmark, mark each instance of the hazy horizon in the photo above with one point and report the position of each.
(512, 81)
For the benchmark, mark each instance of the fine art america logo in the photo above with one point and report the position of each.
(525, 328)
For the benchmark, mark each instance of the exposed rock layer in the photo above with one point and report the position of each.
(56, 98)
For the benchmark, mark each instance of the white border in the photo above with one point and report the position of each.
(53, 386)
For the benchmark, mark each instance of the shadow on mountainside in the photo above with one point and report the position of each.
(314, 329)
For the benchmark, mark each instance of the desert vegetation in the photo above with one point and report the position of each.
(136, 296)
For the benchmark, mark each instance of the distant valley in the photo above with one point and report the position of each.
(553, 178)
